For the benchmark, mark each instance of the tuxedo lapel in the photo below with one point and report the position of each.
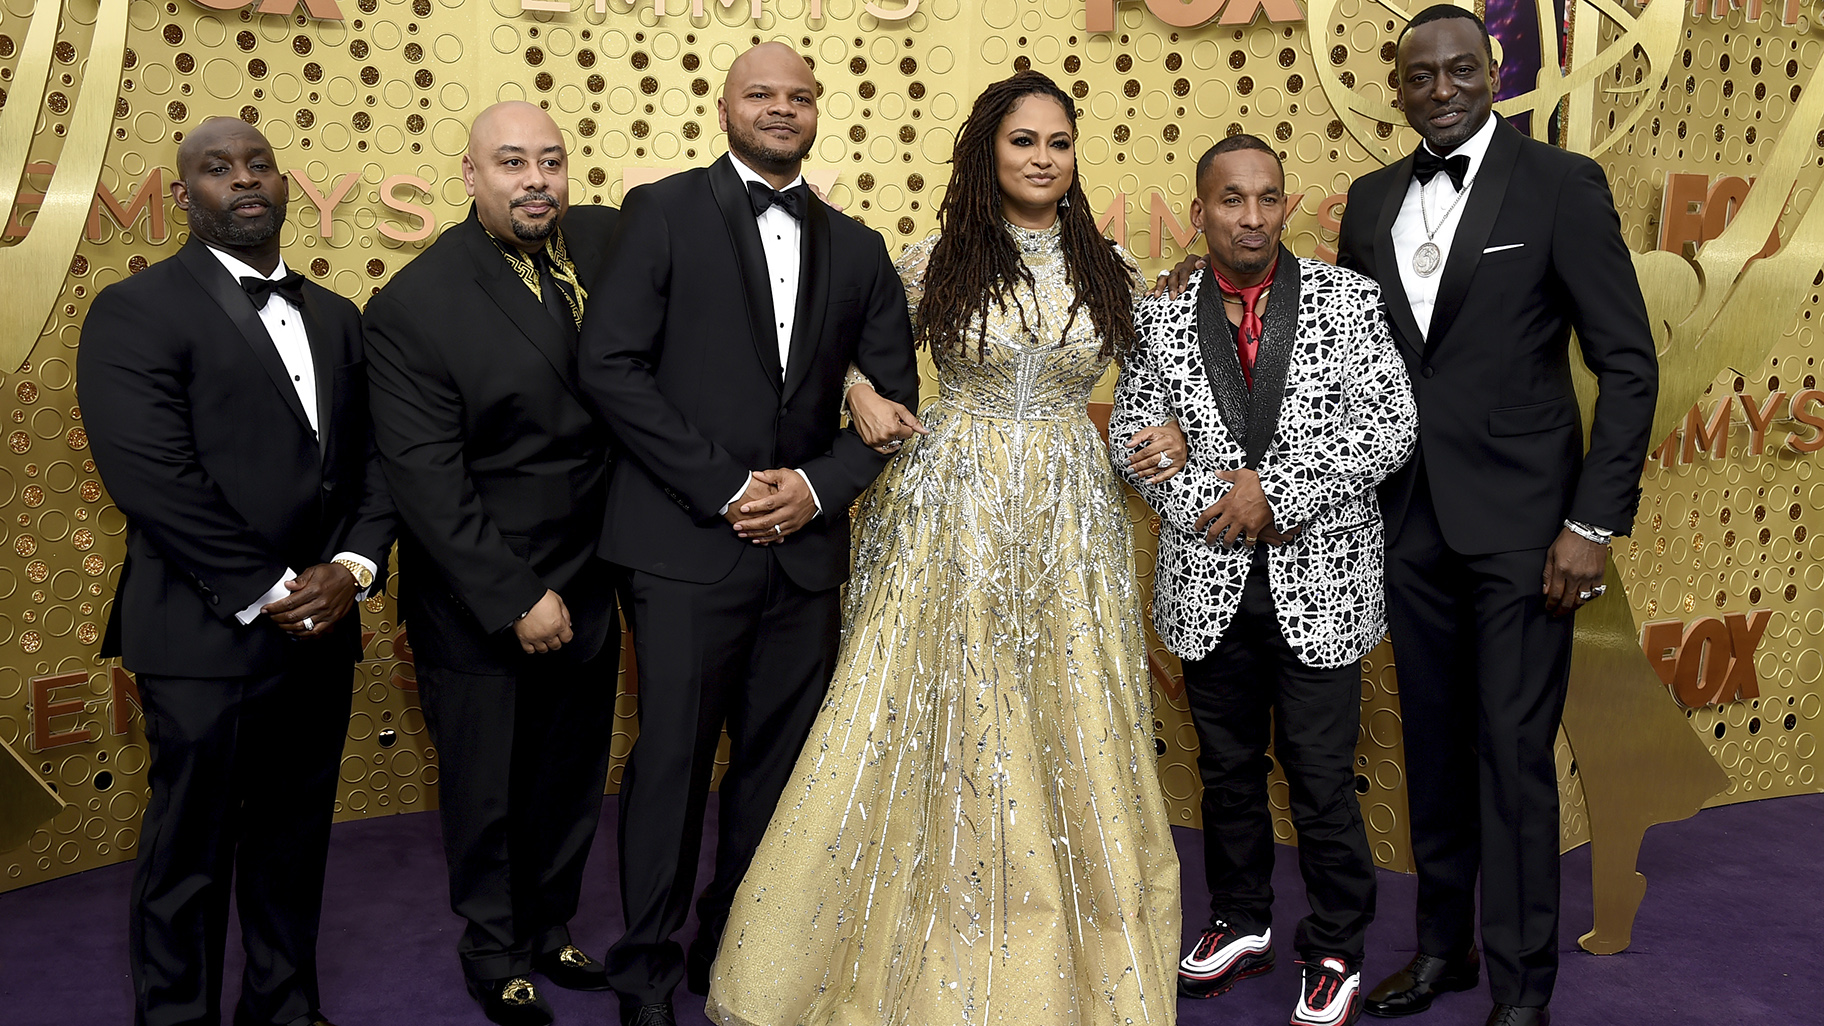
(1387, 263)
(520, 307)
(1479, 213)
(1279, 336)
(228, 294)
(813, 296)
(1221, 363)
(323, 358)
(750, 258)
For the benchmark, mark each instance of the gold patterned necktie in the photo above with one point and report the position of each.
(556, 257)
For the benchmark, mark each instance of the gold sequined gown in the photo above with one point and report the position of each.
(974, 833)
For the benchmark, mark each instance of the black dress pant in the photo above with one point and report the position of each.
(522, 762)
(243, 782)
(755, 650)
(1483, 669)
(1251, 686)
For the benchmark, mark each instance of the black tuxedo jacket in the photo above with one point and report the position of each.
(1499, 427)
(680, 356)
(498, 465)
(203, 444)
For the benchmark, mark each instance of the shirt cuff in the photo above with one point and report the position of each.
(273, 594)
(356, 557)
(812, 487)
(735, 497)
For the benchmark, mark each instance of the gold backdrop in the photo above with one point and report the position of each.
(366, 104)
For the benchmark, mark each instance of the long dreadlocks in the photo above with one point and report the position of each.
(975, 261)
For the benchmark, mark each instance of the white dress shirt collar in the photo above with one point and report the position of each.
(238, 268)
(1475, 147)
(748, 174)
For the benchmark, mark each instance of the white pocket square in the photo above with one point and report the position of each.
(1497, 249)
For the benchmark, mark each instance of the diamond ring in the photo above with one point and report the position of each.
(1165, 460)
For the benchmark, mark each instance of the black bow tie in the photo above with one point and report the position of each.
(260, 289)
(793, 201)
(1426, 165)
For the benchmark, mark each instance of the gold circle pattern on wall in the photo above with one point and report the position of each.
(351, 106)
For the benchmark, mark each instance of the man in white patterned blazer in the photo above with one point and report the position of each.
(1283, 375)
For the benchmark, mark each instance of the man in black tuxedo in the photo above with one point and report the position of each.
(225, 398)
(500, 469)
(1491, 249)
(732, 306)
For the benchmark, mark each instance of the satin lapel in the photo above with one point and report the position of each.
(1387, 263)
(1221, 364)
(1479, 213)
(813, 296)
(1279, 336)
(750, 259)
(520, 307)
(227, 293)
(323, 358)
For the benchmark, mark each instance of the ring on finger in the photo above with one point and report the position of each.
(776, 530)
(1586, 595)
(1165, 460)
(1599, 591)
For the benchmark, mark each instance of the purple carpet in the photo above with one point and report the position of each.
(1735, 903)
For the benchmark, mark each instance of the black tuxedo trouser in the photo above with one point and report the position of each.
(1250, 686)
(243, 782)
(753, 649)
(1483, 669)
(522, 761)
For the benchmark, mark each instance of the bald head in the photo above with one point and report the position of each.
(217, 135)
(518, 173)
(769, 110)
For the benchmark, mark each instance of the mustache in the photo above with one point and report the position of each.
(534, 197)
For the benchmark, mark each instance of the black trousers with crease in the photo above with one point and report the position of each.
(753, 651)
(523, 759)
(243, 786)
(1483, 670)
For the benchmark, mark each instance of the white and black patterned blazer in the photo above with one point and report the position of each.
(1345, 420)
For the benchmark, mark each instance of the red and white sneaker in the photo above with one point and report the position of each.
(1221, 957)
(1331, 994)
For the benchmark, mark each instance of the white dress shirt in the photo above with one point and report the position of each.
(285, 324)
(781, 238)
(1437, 196)
(781, 235)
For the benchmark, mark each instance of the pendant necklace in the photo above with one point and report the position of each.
(1429, 258)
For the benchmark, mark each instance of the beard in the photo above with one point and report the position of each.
(222, 226)
(757, 151)
(1445, 140)
(526, 231)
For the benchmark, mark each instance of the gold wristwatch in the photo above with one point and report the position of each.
(364, 577)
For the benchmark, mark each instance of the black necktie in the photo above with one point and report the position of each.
(260, 289)
(793, 201)
(555, 304)
(1426, 165)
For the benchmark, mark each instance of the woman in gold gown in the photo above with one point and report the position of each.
(974, 832)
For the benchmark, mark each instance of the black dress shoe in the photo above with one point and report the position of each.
(569, 968)
(1515, 1015)
(511, 1002)
(658, 1014)
(1412, 989)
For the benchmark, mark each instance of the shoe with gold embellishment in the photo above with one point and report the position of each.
(511, 1002)
(569, 968)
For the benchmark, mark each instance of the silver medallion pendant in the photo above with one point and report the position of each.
(1427, 260)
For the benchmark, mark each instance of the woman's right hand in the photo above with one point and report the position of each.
(882, 423)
